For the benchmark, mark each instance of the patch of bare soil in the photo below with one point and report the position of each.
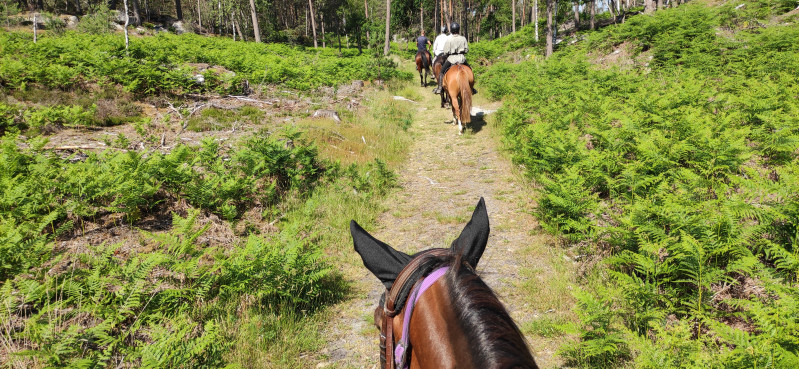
(169, 120)
(441, 182)
(623, 56)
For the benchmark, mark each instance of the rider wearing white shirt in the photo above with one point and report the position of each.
(438, 44)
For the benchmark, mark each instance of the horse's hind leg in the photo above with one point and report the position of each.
(456, 108)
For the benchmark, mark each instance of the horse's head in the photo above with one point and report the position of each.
(386, 263)
(458, 322)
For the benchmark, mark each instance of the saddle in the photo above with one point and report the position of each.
(394, 300)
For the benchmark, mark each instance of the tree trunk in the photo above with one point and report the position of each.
(465, 24)
(313, 23)
(449, 14)
(441, 18)
(178, 10)
(360, 48)
(660, 4)
(237, 26)
(535, 18)
(576, 15)
(435, 18)
(513, 15)
(199, 15)
(649, 6)
(612, 10)
(592, 10)
(366, 16)
(421, 16)
(256, 30)
(136, 13)
(322, 19)
(551, 6)
(387, 45)
(127, 22)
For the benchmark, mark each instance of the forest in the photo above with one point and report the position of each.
(331, 22)
(177, 178)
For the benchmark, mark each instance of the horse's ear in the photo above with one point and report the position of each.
(381, 259)
(474, 237)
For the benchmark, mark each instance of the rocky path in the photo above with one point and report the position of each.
(441, 182)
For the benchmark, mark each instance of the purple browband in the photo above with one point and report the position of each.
(417, 292)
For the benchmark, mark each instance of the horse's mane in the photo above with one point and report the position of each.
(496, 342)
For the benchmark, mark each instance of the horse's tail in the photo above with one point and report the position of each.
(466, 96)
(426, 63)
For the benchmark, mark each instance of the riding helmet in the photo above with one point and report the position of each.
(455, 27)
(443, 29)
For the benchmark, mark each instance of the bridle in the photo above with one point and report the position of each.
(393, 301)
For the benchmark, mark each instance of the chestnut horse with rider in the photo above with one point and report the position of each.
(457, 78)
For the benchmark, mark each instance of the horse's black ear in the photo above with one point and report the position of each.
(381, 259)
(474, 237)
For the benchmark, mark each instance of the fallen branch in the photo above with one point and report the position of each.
(78, 147)
(242, 98)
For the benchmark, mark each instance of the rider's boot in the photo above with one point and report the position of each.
(437, 91)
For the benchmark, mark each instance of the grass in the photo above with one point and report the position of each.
(216, 119)
(408, 92)
(547, 325)
(274, 340)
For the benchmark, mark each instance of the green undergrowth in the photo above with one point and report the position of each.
(677, 177)
(170, 64)
(174, 298)
(17, 117)
(486, 53)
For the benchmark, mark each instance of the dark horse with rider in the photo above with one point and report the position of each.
(423, 58)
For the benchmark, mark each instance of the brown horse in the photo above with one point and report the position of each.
(458, 84)
(423, 62)
(437, 312)
(438, 63)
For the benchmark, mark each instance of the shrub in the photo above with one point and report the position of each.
(684, 172)
(96, 22)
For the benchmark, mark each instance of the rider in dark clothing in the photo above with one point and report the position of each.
(421, 46)
(422, 42)
(456, 48)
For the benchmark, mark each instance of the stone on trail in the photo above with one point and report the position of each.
(179, 27)
(403, 99)
(325, 113)
(478, 112)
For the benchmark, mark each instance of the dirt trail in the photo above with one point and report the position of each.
(443, 179)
